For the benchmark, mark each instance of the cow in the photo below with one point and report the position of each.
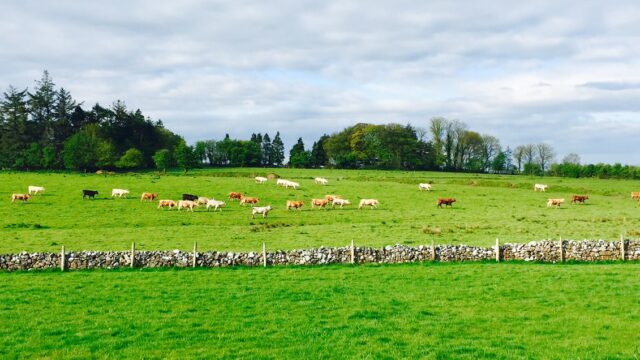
(635, 195)
(202, 200)
(264, 210)
(189, 204)
(424, 186)
(89, 194)
(291, 184)
(321, 181)
(119, 193)
(540, 187)
(319, 203)
(235, 195)
(21, 197)
(190, 197)
(372, 203)
(261, 179)
(555, 202)
(148, 196)
(215, 204)
(579, 199)
(249, 200)
(341, 202)
(281, 182)
(330, 198)
(166, 204)
(297, 204)
(35, 190)
(446, 202)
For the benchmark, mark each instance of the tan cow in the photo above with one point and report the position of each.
(330, 198)
(249, 200)
(319, 203)
(341, 202)
(294, 204)
(167, 204)
(21, 197)
(148, 196)
(635, 195)
(372, 203)
(187, 204)
(555, 202)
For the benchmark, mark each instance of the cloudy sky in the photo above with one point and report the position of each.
(562, 72)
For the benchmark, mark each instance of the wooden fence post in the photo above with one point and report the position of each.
(62, 261)
(353, 252)
(622, 250)
(133, 255)
(561, 250)
(195, 253)
(264, 254)
(497, 250)
(433, 250)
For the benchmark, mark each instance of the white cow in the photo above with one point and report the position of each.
(341, 202)
(264, 210)
(202, 200)
(540, 187)
(373, 203)
(215, 204)
(424, 186)
(291, 184)
(35, 189)
(261, 179)
(119, 193)
(321, 181)
(281, 182)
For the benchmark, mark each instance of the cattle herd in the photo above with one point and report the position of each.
(190, 201)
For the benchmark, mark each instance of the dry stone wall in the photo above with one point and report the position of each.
(540, 251)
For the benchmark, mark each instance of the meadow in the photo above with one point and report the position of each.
(488, 207)
(468, 310)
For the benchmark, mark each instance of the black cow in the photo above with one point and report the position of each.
(89, 193)
(189, 197)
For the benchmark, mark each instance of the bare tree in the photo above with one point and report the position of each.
(529, 154)
(518, 156)
(490, 148)
(545, 154)
(571, 158)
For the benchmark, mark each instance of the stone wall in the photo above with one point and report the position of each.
(541, 251)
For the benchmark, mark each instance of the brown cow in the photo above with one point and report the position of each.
(319, 203)
(294, 204)
(148, 196)
(167, 203)
(235, 195)
(635, 195)
(22, 197)
(446, 202)
(248, 200)
(579, 199)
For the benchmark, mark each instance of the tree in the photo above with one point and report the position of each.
(184, 156)
(86, 150)
(162, 159)
(518, 156)
(300, 160)
(499, 162)
(297, 148)
(490, 149)
(318, 154)
(571, 158)
(131, 159)
(545, 155)
(42, 108)
(437, 127)
(14, 136)
(277, 150)
(266, 151)
(200, 152)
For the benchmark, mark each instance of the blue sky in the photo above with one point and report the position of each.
(566, 73)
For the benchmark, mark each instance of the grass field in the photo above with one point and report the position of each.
(472, 310)
(488, 207)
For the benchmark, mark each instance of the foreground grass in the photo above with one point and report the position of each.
(403, 311)
(488, 207)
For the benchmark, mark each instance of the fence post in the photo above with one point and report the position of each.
(622, 251)
(195, 253)
(62, 259)
(433, 250)
(353, 252)
(264, 254)
(561, 250)
(133, 255)
(497, 250)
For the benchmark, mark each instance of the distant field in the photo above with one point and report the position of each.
(499, 311)
(488, 207)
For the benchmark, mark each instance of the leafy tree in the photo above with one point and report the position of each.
(86, 150)
(200, 152)
(32, 156)
(184, 156)
(162, 159)
(277, 150)
(131, 159)
(300, 160)
(499, 162)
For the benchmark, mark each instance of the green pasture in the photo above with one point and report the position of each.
(488, 207)
(472, 310)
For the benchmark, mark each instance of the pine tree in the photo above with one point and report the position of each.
(14, 137)
(266, 151)
(277, 150)
(42, 108)
(318, 154)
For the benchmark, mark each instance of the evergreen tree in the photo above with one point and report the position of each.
(318, 154)
(14, 136)
(42, 108)
(277, 150)
(266, 151)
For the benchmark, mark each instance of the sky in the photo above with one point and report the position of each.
(565, 73)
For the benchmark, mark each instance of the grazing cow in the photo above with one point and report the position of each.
(35, 190)
(330, 198)
(555, 202)
(579, 199)
(235, 195)
(261, 179)
(202, 200)
(281, 182)
(189, 204)
(446, 202)
(148, 196)
(215, 204)
(341, 202)
(190, 197)
(321, 181)
(22, 197)
(291, 184)
(297, 204)
(424, 186)
(319, 203)
(372, 203)
(249, 200)
(264, 210)
(540, 187)
(167, 204)
(635, 195)
(119, 193)
(89, 194)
